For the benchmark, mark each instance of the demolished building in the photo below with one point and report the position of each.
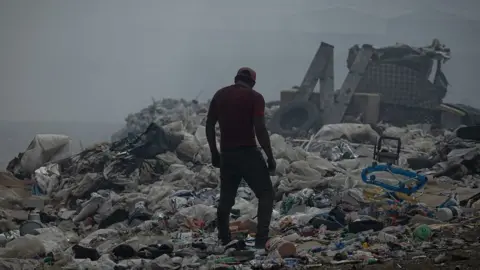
(398, 84)
(400, 75)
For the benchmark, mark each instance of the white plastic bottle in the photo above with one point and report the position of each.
(448, 213)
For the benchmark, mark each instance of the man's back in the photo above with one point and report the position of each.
(235, 107)
(240, 112)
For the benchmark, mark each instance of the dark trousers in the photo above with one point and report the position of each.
(247, 164)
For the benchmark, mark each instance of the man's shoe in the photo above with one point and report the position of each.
(225, 242)
(236, 244)
(261, 243)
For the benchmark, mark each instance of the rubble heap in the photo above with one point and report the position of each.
(165, 111)
(148, 201)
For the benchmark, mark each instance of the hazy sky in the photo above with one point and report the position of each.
(98, 60)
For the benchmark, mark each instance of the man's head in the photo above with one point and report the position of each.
(246, 76)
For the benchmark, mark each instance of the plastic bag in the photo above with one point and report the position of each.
(279, 145)
(303, 168)
(201, 135)
(282, 166)
(45, 148)
(48, 178)
(188, 149)
(358, 133)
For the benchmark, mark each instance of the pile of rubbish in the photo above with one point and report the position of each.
(165, 111)
(148, 200)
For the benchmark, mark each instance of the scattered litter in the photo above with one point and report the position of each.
(148, 199)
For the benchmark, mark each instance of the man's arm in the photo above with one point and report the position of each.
(260, 127)
(212, 119)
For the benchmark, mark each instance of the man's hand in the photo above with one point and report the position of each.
(216, 159)
(272, 165)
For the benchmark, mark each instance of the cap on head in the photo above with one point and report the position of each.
(247, 72)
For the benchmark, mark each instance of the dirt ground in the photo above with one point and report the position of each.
(419, 264)
(428, 263)
(461, 258)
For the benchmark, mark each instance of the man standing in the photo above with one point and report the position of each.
(239, 110)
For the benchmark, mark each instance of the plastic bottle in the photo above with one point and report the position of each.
(422, 232)
(448, 213)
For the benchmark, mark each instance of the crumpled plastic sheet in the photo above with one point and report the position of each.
(356, 133)
(158, 192)
(352, 196)
(303, 168)
(53, 239)
(188, 149)
(166, 262)
(206, 196)
(333, 150)
(203, 156)
(308, 197)
(90, 207)
(247, 208)
(282, 166)
(97, 237)
(8, 236)
(48, 178)
(122, 171)
(301, 219)
(201, 135)
(176, 126)
(162, 112)
(86, 264)
(463, 154)
(179, 175)
(177, 200)
(112, 202)
(245, 193)
(168, 158)
(409, 135)
(297, 182)
(205, 213)
(207, 177)
(283, 150)
(86, 183)
(321, 165)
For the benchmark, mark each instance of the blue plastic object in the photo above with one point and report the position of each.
(421, 180)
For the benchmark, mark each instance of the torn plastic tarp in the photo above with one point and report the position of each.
(153, 141)
(43, 148)
(122, 171)
(463, 154)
